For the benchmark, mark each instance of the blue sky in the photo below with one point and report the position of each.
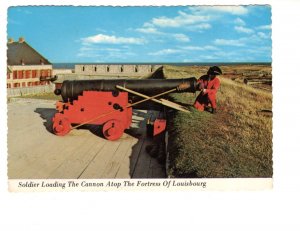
(145, 34)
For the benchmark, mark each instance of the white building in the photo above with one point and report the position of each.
(25, 65)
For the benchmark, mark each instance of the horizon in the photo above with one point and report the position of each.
(178, 34)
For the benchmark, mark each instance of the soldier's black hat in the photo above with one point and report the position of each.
(214, 71)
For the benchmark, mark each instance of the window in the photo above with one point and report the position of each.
(16, 84)
(23, 84)
(8, 85)
(83, 68)
(34, 73)
(43, 73)
(95, 68)
(20, 74)
(15, 75)
(136, 69)
(8, 76)
(107, 68)
(122, 68)
(27, 74)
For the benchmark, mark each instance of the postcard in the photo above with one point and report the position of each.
(105, 98)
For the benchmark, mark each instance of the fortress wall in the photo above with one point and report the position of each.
(119, 69)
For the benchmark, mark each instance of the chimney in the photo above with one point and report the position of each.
(21, 40)
(10, 40)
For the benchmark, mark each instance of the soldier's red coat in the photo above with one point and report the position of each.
(209, 98)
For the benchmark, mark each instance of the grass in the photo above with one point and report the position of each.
(235, 142)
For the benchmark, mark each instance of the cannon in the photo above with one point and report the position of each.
(109, 102)
(70, 90)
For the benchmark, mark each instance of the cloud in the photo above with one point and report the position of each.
(193, 18)
(154, 31)
(184, 50)
(111, 49)
(24, 10)
(263, 35)
(199, 27)
(183, 19)
(243, 29)
(148, 30)
(88, 55)
(181, 37)
(229, 42)
(256, 38)
(234, 10)
(92, 50)
(165, 52)
(186, 20)
(12, 21)
(107, 39)
(230, 54)
(264, 27)
(240, 22)
(260, 50)
(27, 12)
(200, 48)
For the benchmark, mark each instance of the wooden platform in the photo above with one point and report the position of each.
(35, 153)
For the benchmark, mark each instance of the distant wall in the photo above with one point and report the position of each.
(18, 91)
(61, 71)
(115, 69)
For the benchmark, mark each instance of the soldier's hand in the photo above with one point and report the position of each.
(204, 91)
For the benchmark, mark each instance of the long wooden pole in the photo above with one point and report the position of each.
(163, 102)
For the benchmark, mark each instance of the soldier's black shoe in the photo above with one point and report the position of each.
(213, 111)
(208, 109)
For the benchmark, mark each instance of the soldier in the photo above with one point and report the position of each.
(208, 85)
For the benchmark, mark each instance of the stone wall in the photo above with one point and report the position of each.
(61, 71)
(115, 69)
(19, 91)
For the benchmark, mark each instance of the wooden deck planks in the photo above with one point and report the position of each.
(75, 164)
(35, 153)
(97, 165)
(113, 166)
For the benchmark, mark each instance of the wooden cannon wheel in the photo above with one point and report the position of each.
(61, 125)
(113, 129)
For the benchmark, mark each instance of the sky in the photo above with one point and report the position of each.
(145, 34)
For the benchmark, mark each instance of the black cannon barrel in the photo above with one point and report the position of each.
(70, 90)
